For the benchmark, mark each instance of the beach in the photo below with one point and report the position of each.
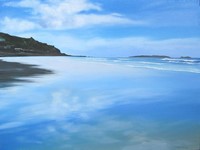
(100, 103)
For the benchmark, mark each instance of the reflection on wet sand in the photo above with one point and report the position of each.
(12, 72)
(102, 105)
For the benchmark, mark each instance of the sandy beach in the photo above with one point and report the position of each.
(128, 103)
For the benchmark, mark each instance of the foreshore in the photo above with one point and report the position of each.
(12, 72)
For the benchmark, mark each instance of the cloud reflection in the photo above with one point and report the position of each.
(76, 108)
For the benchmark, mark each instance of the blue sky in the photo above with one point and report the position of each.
(107, 27)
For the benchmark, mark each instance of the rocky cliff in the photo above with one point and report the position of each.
(18, 46)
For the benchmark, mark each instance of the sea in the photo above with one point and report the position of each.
(103, 104)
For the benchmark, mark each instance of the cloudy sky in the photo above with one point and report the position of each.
(107, 27)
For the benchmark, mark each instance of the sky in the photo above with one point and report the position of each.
(107, 28)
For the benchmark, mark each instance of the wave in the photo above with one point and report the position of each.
(181, 60)
(167, 68)
(165, 64)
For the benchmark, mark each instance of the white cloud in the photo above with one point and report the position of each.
(56, 6)
(138, 45)
(122, 46)
(17, 25)
(9, 125)
(69, 14)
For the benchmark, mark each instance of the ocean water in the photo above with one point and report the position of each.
(103, 104)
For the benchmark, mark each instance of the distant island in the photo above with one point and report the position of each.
(152, 56)
(18, 46)
(158, 56)
(185, 57)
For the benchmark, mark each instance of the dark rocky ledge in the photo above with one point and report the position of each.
(13, 72)
(18, 46)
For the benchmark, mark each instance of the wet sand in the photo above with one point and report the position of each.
(12, 72)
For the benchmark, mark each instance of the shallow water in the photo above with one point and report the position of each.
(103, 104)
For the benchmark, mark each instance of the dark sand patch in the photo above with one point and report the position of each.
(12, 72)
